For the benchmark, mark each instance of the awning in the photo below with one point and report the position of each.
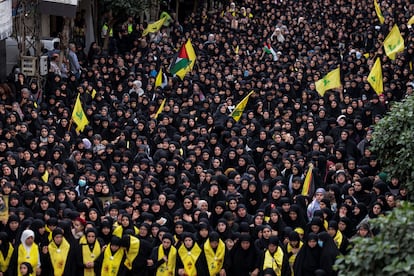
(66, 8)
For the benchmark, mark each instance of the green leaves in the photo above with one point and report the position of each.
(394, 144)
(122, 8)
(389, 253)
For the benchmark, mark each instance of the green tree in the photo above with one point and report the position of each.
(119, 10)
(391, 252)
(124, 8)
(394, 144)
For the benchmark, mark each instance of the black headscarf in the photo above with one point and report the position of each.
(308, 258)
(4, 246)
(329, 253)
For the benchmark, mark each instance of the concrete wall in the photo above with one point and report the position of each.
(3, 61)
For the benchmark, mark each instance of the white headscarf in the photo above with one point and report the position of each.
(25, 235)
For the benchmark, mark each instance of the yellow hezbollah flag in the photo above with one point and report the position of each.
(375, 77)
(161, 108)
(411, 21)
(154, 27)
(167, 17)
(79, 116)
(238, 110)
(330, 81)
(307, 184)
(158, 78)
(393, 43)
(378, 11)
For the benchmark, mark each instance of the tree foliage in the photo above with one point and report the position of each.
(393, 142)
(391, 252)
(123, 8)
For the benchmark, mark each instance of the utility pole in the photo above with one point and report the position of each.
(27, 30)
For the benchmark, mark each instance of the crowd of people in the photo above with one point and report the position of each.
(187, 189)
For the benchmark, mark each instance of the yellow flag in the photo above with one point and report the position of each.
(167, 17)
(378, 11)
(160, 109)
(93, 93)
(411, 21)
(191, 55)
(154, 27)
(45, 176)
(158, 78)
(79, 116)
(236, 50)
(375, 77)
(393, 43)
(330, 81)
(238, 110)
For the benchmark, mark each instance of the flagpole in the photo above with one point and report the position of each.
(376, 53)
(70, 124)
(73, 108)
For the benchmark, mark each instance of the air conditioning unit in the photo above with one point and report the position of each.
(43, 66)
(29, 66)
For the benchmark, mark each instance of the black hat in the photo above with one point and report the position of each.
(57, 231)
(274, 240)
(294, 236)
(244, 237)
(241, 206)
(116, 241)
(203, 226)
(214, 236)
(168, 236)
(187, 235)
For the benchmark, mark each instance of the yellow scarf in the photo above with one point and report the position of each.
(90, 256)
(31, 257)
(274, 262)
(49, 233)
(119, 230)
(167, 268)
(111, 263)
(189, 258)
(292, 258)
(4, 263)
(215, 260)
(83, 240)
(132, 252)
(58, 256)
(176, 239)
(338, 238)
